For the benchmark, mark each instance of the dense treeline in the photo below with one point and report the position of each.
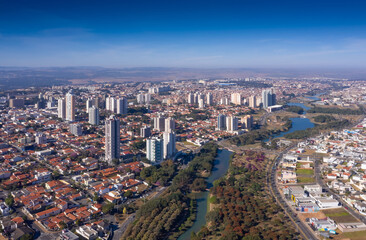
(301, 134)
(290, 95)
(243, 209)
(295, 109)
(190, 178)
(159, 175)
(257, 135)
(333, 110)
(198, 115)
(324, 118)
(169, 216)
(158, 217)
(137, 110)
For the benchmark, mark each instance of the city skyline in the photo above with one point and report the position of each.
(187, 34)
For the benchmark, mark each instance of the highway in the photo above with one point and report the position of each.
(349, 208)
(305, 231)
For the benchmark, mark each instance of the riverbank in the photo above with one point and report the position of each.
(168, 216)
(221, 165)
(242, 206)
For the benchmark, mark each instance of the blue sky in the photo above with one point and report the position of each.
(136, 33)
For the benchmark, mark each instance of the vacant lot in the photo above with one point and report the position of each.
(305, 171)
(305, 179)
(360, 235)
(340, 215)
(318, 215)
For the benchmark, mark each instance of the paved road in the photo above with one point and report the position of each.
(117, 234)
(349, 208)
(305, 231)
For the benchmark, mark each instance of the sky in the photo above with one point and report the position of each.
(189, 33)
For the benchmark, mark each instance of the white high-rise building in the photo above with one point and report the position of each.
(154, 149)
(159, 123)
(224, 101)
(268, 98)
(236, 98)
(196, 97)
(247, 121)
(122, 105)
(169, 144)
(76, 129)
(231, 124)
(190, 99)
(209, 99)
(169, 124)
(140, 98)
(70, 106)
(145, 132)
(147, 98)
(40, 138)
(201, 104)
(89, 104)
(221, 122)
(112, 139)
(107, 103)
(252, 101)
(96, 102)
(61, 108)
(110, 104)
(94, 115)
(113, 104)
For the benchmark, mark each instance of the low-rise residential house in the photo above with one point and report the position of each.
(87, 232)
(288, 177)
(332, 176)
(21, 232)
(4, 209)
(68, 235)
(47, 213)
(8, 225)
(5, 174)
(43, 176)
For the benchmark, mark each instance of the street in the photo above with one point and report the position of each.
(272, 184)
(118, 232)
(349, 209)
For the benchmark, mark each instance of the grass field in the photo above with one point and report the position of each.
(188, 143)
(305, 180)
(305, 171)
(360, 235)
(340, 215)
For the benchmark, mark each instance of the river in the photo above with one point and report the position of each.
(221, 166)
(316, 97)
(298, 123)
